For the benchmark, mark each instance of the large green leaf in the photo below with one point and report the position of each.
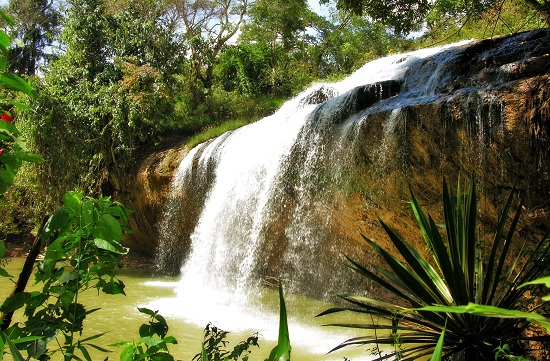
(539, 281)
(489, 311)
(108, 228)
(16, 83)
(13, 349)
(281, 352)
(438, 351)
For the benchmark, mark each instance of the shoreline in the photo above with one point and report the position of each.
(132, 259)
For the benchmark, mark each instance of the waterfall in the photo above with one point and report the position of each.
(272, 172)
(264, 202)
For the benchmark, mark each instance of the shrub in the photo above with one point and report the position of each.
(465, 285)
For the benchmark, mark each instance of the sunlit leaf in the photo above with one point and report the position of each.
(281, 352)
(438, 351)
(16, 83)
(13, 349)
(108, 228)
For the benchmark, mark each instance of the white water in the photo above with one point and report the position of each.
(244, 170)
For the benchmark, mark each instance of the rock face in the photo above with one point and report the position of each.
(149, 188)
(478, 108)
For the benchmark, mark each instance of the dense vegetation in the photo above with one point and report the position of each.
(114, 78)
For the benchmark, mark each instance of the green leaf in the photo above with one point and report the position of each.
(26, 339)
(281, 352)
(147, 311)
(489, 311)
(108, 246)
(113, 288)
(15, 302)
(204, 355)
(92, 337)
(438, 351)
(85, 352)
(539, 281)
(15, 82)
(170, 339)
(99, 348)
(128, 354)
(150, 341)
(146, 330)
(6, 18)
(72, 202)
(13, 349)
(161, 356)
(56, 224)
(30, 157)
(108, 228)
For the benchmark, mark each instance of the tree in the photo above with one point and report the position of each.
(107, 95)
(405, 16)
(286, 30)
(145, 35)
(277, 22)
(37, 25)
(208, 26)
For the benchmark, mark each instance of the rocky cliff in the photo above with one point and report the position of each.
(481, 107)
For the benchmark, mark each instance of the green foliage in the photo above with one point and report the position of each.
(35, 27)
(245, 68)
(474, 296)
(153, 342)
(109, 94)
(13, 149)
(83, 241)
(285, 19)
(215, 344)
(405, 16)
(359, 41)
(509, 17)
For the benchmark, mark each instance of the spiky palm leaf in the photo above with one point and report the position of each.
(455, 277)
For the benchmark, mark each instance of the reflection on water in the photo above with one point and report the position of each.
(187, 317)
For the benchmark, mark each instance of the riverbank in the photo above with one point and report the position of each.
(19, 246)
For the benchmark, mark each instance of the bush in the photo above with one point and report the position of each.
(459, 292)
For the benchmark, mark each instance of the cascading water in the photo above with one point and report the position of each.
(276, 168)
(261, 201)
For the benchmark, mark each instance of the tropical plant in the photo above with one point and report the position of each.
(213, 347)
(281, 352)
(13, 150)
(153, 342)
(83, 246)
(460, 276)
(215, 343)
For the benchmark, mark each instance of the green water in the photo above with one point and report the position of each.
(119, 318)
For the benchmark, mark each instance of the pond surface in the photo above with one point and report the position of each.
(120, 319)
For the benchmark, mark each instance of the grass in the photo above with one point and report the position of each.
(214, 131)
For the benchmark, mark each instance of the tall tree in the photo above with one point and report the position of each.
(286, 29)
(277, 22)
(106, 95)
(37, 24)
(143, 32)
(405, 16)
(208, 26)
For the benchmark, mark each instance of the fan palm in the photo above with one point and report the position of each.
(459, 275)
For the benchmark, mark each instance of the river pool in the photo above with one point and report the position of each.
(120, 319)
